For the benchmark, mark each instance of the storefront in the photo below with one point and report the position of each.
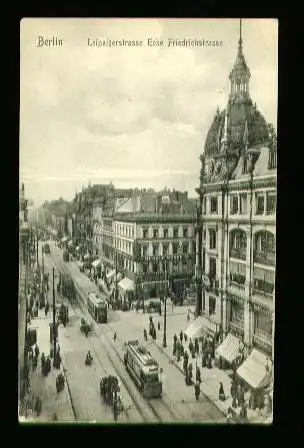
(203, 327)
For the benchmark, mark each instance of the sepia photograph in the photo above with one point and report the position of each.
(147, 220)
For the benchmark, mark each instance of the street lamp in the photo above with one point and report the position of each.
(165, 303)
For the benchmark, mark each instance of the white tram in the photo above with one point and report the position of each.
(98, 308)
(143, 368)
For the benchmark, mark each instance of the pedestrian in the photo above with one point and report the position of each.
(42, 362)
(182, 350)
(175, 337)
(145, 335)
(185, 337)
(222, 396)
(115, 336)
(197, 391)
(193, 352)
(196, 346)
(36, 350)
(185, 365)
(181, 336)
(190, 346)
(209, 361)
(35, 363)
(158, 326)
(174, 348)
(198, 375)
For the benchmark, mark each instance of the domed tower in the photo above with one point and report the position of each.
(236, 129)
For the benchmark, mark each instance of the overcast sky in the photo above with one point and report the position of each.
(133, 116)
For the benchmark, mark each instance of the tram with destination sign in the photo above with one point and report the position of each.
(143, 368)
(98, 308)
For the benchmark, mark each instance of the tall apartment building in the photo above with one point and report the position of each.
(238, 199)
(151, 241)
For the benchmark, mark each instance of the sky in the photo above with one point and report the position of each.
(135, 116)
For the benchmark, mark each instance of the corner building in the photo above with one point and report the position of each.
(238, 198)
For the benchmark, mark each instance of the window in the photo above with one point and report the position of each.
(260, 205)
(237, 314)
(145, 251)
(145, 268)
(204, 206)
(145, 233)
(166, 233)
(155, 267)
(263, 323)
(265, 242)
(237, 272)
(271, 203)
(239, 240)
(185, 248)
(155, 233)
(243, 204)
(175, 232)
(155, 251)
(212, 239)
(212, 268)
(213, 205)
(175, 248)
(233, 205)
(165, 249)
(185, 232)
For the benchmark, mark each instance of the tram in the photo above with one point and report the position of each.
(143, 368)
(98, 308)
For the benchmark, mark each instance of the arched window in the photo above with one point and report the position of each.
(238, 244)
(264, 242)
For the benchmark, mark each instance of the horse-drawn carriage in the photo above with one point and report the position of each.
(85, 327)
(62, 312)
(110, 391)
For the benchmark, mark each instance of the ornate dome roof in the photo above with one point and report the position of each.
(238, 114)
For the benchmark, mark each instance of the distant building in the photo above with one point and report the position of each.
(149, 237)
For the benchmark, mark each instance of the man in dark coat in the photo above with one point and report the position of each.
(181, 336)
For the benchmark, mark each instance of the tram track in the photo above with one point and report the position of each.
(84, 313)
(159, 408)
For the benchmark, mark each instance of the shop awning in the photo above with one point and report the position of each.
(96, 263)
(195, 330)
(202, 326)
(64, 239)
(229, 348)
(126, 284)
(119, 276)
(110, 274)
(253, 370)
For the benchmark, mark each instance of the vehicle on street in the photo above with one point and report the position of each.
(97, 307)
(143, 368)
(85, 327)
(46, 248)
(67, 287)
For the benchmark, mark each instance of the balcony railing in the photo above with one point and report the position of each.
(263, 288)
(239, 286)
(263, 335)
(263, 345)
(238, 253)
(267, 258)
(236, 329)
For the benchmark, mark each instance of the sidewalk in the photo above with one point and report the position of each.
(45, 387)
(211, 378)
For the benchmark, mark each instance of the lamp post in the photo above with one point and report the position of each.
(165, 304)
(54, 319)
(37, 258)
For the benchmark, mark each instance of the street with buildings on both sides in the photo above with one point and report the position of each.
(219, 249)
(81, 399)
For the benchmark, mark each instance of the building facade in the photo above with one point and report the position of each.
(238, 229)
(149, 238)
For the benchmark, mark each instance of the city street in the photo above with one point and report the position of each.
(84, 380)
(178, 402)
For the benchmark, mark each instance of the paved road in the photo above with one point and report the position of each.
(178, 402)
(84, 381)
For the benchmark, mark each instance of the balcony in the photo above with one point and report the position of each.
(263, 288)
(262, 343)
(237, 285)
(237, 329)
(267, 258)
(239, 253)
